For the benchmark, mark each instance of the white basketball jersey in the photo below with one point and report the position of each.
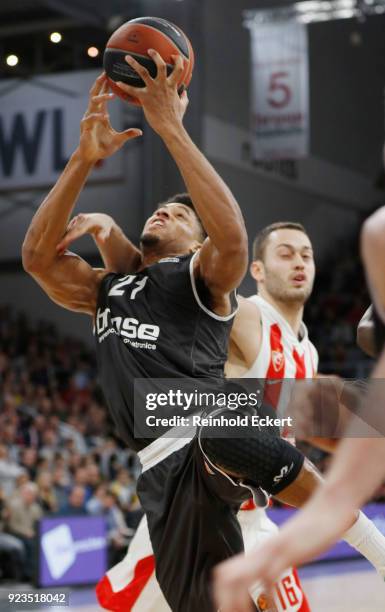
(282, 354)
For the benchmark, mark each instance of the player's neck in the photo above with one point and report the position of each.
(292, 312)
(154, 255)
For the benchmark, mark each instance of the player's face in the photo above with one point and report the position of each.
(287, 272)
(174, 224)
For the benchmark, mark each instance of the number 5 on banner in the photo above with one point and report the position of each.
(281, 92)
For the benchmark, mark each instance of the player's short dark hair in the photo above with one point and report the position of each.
(260, 240)
(185, 198)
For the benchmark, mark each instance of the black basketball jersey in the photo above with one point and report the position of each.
(153, 324)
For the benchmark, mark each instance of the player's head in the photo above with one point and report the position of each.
(174, 225)
(283, 262)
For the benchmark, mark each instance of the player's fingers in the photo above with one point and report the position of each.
(105, 87)
(97, 86)
(68, 238)
(130, 134)
(99, 103)
(235, 599)
(178, 70)
(139, 69)
(105, 91)
(161, 65)
(77, 227)
(134, 92)
(89, 121)
(184, 96)
(75, 221)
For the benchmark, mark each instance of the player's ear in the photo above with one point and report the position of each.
(257, 270)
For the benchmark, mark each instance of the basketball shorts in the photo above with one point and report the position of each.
(192, 516)
(131, 585)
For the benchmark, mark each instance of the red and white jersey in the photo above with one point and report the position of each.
(282, 354)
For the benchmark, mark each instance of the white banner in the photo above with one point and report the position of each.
(39, 128)
(279, 91)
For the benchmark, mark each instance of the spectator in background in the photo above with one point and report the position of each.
(23, 514)
(61, 483)
(28, 461)
(124, 488)
(76, 503)
(95, 505)
(118, 534)
(11, 548)
(9, 471)
(81, 479)
(46, 493)
(93, 475)
(50, 444)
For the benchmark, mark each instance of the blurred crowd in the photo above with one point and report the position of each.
(58, 455)
(339, 300)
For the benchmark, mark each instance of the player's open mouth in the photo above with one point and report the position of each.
(300, 278)
(157, 223)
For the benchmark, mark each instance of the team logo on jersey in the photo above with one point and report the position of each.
(284, 472)
(278, 360)
(264, 604)
(133, 332)
(169, 260)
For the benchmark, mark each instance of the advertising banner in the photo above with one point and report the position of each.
(279, 90)
(72, 550)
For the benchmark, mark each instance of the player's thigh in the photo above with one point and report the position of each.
(192, 529)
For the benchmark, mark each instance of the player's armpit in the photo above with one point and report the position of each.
(244, 344)
(235, 366)
(70, 282)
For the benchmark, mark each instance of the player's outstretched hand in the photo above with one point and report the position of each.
(163, 107)
(233, 579)
(98, 139)
(97, 225)
(317, 407)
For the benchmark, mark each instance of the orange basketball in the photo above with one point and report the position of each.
(134, 38)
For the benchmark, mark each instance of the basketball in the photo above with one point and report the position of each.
(134, 38)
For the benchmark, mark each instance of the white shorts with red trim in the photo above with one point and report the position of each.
(131, 585)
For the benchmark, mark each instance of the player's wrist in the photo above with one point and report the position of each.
(170, 131)
(81, 157)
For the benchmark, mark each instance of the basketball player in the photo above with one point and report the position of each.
(169, 318)
(268, 340)
(357, 469)
(131, 583)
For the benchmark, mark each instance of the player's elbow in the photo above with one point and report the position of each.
(32, 262)
(238, 255)
(28, 258)
(373, 235)
(236, 247)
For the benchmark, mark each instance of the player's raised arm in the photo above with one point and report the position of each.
(117, 251)
(66, 278)
(223, 258)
